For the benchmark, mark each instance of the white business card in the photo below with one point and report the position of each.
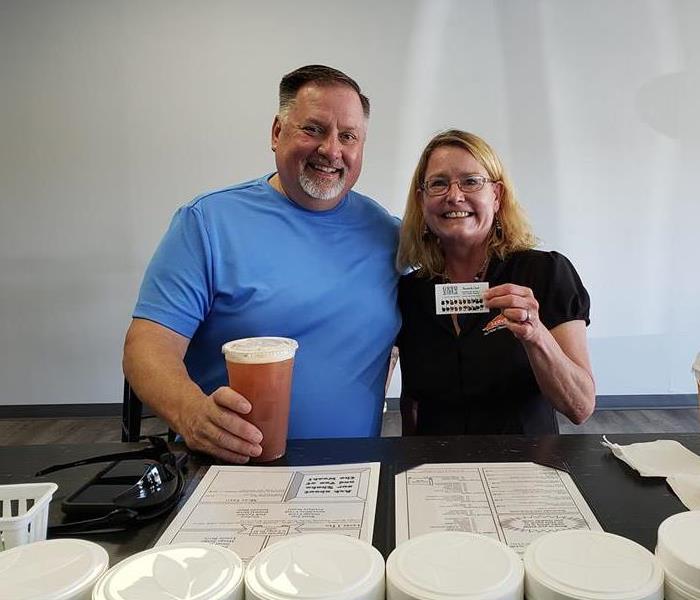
(459, 298)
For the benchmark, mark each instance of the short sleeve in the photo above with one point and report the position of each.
(177, 287)
(561, 295)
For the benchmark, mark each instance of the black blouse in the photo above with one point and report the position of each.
(477, 383)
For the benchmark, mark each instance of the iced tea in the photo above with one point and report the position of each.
(261, 370)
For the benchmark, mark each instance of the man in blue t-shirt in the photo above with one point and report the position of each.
(294, 254)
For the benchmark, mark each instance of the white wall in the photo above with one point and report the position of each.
(113, 113)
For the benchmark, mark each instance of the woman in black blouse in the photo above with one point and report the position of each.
(508, 370)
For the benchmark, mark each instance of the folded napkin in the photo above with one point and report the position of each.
(687, 488)
(657, 459)
(664, 458)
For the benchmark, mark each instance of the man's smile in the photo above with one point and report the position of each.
(326, 170)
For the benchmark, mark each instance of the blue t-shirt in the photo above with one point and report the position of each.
(247, 261)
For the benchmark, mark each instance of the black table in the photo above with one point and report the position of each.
(623, 502)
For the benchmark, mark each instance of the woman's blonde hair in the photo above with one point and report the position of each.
(420, 249)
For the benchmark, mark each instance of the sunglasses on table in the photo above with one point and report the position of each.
(134, 487)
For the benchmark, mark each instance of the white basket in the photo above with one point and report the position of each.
(24, 513)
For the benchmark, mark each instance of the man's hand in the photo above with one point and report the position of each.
(216, 426)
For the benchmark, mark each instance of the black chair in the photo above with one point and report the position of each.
(132, 413)
(132, 410)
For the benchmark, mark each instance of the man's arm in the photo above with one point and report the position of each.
(153, 365)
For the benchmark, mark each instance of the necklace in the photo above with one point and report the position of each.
(482, 271)
(479, 276)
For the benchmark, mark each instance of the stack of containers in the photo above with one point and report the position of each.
(316, 566)
(678, 549)
(196, 571)
(591, 565)
(451, 565)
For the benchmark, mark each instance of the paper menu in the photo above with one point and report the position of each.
(247, 508)
(514, 502)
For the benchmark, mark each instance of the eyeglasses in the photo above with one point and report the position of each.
(135, 486)
(437, 186)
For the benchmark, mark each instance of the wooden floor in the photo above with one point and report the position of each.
(16, 432)
(677, 420)
(78, 430)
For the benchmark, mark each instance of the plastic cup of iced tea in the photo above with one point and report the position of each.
(260, 369)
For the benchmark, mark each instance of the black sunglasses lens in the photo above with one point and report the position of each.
(157, 485)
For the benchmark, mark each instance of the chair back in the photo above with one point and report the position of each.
(132, 410)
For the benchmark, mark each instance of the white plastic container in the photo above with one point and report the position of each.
(453, 565)
(678, 549)
(63, 569)
(195, 571)
(591, 565)
(675, 589)
(25, 513)
(318, 566)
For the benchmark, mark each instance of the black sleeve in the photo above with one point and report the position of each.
(405, 299)
(560, 292)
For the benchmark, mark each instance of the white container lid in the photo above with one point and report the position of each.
(196, 571)
(678, 548)
(453, 564)
(63, 569)
(258, 350)
(591, 565)
(676, 589)
(318, 566)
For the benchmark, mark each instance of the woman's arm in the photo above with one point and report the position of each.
(559, 358)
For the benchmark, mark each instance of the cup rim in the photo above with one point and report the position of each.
(260, 349)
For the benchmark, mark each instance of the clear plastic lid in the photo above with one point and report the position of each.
(63, 569)
(195, 571)
(258, 350)
(678, 547)
(319, 566)
(591, 565)
(453, 564)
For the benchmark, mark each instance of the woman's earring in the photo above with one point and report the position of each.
(499, 228)
(427, 235)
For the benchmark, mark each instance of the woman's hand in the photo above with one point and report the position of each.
(520, 308)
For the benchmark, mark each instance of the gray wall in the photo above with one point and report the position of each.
(113, 113)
